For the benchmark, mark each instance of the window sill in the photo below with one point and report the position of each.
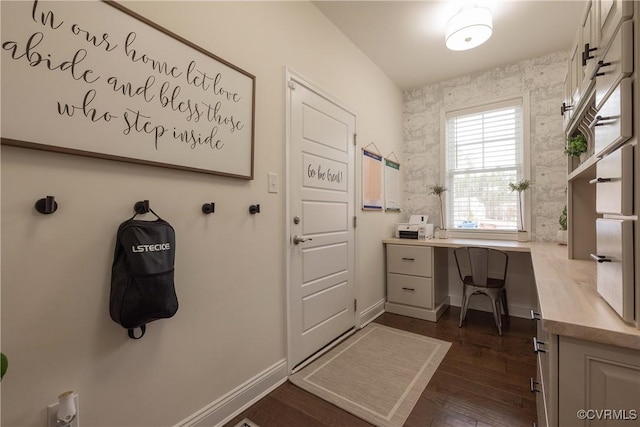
(483, 234)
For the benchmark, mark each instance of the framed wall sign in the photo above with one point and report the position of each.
(93, 78)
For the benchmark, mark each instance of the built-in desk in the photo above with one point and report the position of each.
(568, 300)
(428, 294)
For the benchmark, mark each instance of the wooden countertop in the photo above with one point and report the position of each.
(569, 302)
(505, 245)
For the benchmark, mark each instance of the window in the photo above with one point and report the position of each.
(485, 151)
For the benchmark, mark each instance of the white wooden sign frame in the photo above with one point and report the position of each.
(96, 79)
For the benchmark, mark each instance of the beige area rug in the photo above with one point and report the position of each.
(378, 374)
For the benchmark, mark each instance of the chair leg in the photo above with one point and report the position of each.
(463, 308)
(496, 314)
(505, 306)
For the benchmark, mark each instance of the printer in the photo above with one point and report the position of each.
(416, 228)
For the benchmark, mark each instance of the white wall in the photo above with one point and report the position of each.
(543, 79)
(230, 273)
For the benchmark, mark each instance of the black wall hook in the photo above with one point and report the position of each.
(254, 209)
(141, 207)
(209, 208)
(47, 205)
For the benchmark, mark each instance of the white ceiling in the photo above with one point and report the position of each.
(406, 38)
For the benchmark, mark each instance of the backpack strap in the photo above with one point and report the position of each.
(150, 210)
(132, 335)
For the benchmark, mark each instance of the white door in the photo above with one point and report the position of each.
(321, 203)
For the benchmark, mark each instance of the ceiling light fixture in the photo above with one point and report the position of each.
(469, 28)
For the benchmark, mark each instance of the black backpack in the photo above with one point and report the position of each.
(142, 287)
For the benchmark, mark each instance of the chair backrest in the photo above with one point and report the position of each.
(481, 264)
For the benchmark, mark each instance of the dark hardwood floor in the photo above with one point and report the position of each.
(482, 381)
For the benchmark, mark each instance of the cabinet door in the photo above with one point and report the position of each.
(566, 109)
(546, 349)
(615, 64)
(575, 69)
(588, 46)
(610, 14)
(597, 377)
(614, 182)
(614, 241)
(614, 123)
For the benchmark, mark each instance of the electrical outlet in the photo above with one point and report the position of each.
(52, 412)
(273, 182)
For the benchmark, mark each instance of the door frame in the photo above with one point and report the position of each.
(291, 75)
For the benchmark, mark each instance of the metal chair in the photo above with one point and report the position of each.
(483, 271)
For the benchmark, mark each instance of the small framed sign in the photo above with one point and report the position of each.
(371, 180)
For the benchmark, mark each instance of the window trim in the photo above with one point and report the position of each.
(523, 99)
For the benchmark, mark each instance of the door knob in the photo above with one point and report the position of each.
(297, 239)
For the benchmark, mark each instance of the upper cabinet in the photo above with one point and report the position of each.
(601, 92)
(580, 66)
(601, 57)
(609, 15)
(588, 43)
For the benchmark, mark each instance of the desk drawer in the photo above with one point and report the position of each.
(412, 260)
(410, 290)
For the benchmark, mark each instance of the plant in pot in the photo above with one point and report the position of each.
(576, 145)
(439, 190)
(521, 186)
(4, 364)
(562, 233)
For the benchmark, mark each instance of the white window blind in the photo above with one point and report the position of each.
(484, 153)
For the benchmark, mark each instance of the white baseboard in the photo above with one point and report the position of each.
(417, 312)
(370, 314)
(221, 411)
(484, 304)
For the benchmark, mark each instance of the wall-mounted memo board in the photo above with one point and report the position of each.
(93, 78)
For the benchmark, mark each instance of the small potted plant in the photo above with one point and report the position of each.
(4, 364)
(562, 233)
(521, 186)
(576, 146)
(439, 190)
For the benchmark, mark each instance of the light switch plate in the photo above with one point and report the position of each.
(273, 182)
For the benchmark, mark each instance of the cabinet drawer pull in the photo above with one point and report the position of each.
(536, 346)
(597, 71)
(535, 315)
(408, 259)
(586, 54)
(409, 289)
(564, 108)
(600, 258)
(599, 119)
(600, 180)
(532, 386)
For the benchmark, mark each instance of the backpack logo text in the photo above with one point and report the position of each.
(151, 248)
